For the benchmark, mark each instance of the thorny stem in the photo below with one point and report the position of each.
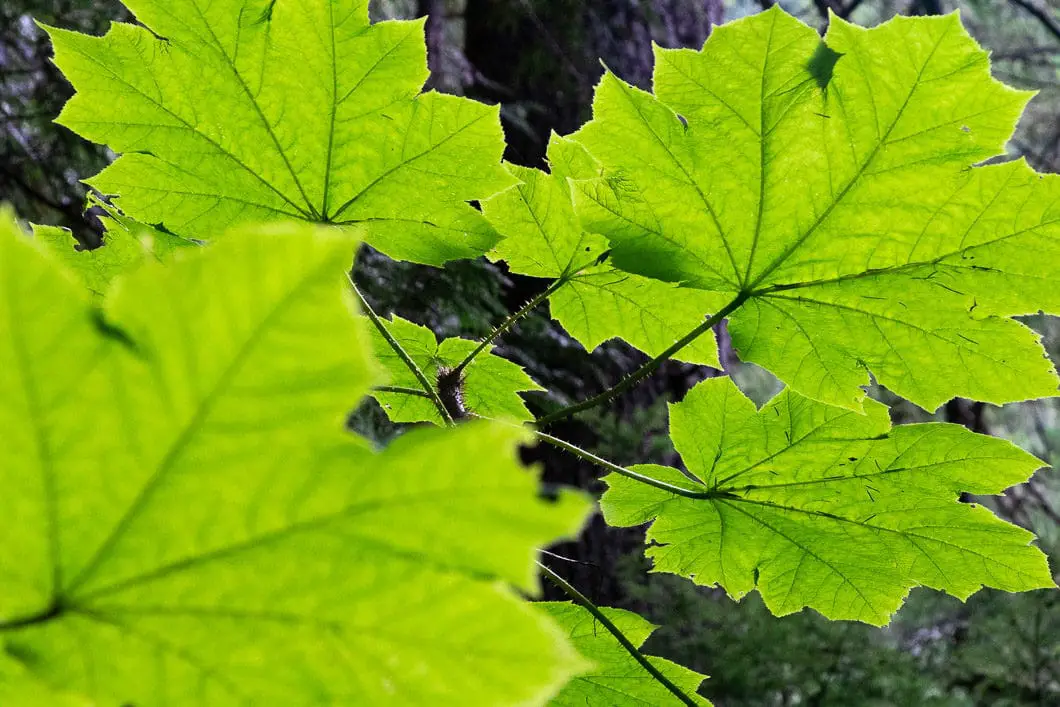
(401, 390)
(610, 466)
(508, 322)
(428, 388)
(648, 368)
(585, 602)
(628, 473)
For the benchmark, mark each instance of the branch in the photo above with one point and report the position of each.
(508, 323)
(648, 368)
(584, 601)
(850, 7)
(428, 389)
(1028, 54)
(1045, 16)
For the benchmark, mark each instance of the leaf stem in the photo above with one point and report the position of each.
(508, 322)
(611, 466)
(400, 390)
(623, 471)
(428, 389)
(586, 603)
(648, 368)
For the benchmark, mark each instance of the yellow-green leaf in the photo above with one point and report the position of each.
(239, 111)
(186, 521)
(822, 507)
(834, 186)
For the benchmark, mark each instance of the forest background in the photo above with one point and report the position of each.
(540, 59)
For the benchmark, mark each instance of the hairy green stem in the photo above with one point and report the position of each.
(508, 322)
(428, 388)
(623, 471)
(585, 602)
(610, 466)
(648, 368)
(401, 390)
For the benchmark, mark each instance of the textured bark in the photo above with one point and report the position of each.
(450, 70)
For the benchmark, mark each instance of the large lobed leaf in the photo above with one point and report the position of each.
(187, 523)
(823, 507)
(237, 111)
(832, 186)
(617, 680)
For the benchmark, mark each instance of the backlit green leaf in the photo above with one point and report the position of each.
(823, 507)
(603, 303)
(18, 686)
(239, 111)
(543, 237)
(187, 523)
(126, 245)
(842, 203)
(617, 680)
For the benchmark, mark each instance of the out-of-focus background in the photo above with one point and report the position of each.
(540, 59)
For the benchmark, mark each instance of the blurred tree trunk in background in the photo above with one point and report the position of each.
(541, 59)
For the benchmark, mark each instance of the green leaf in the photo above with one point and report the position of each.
(490, 385)
(834, 187)
(246, 111)
(543, 237)
(18, 686)
(188, 523)
(618, 680)
(126, 245)
(823, 507)
(603, 303)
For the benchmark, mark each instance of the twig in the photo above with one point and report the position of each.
(1043, 15)
(623, 471)
(401, 391)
